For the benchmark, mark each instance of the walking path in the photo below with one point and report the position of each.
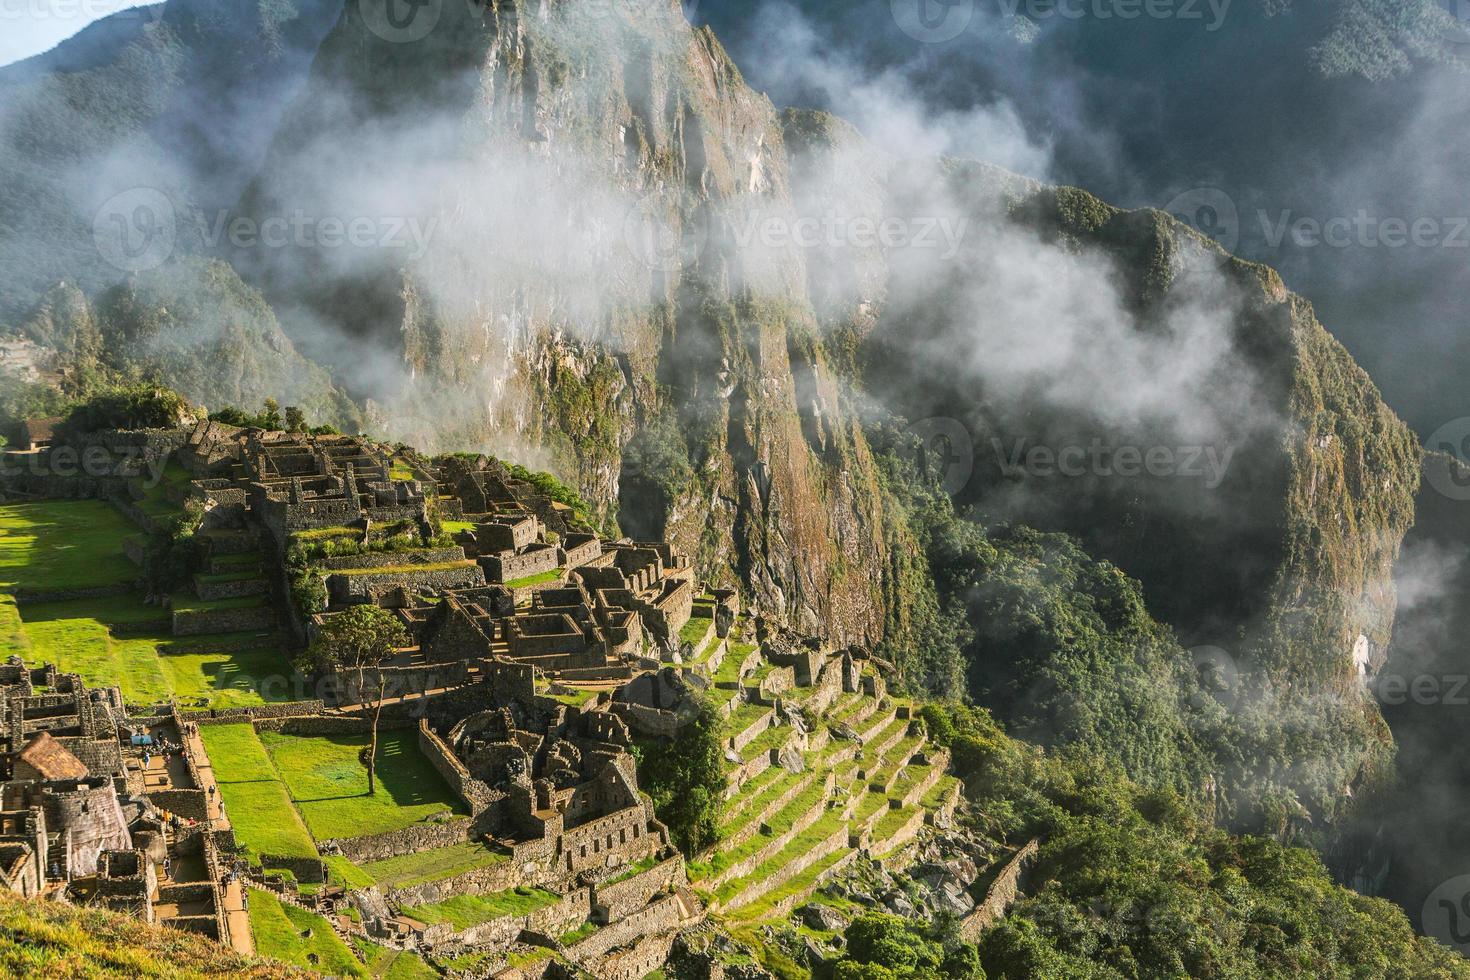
(237, 920)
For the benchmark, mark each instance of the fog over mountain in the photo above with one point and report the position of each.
(1350, 113)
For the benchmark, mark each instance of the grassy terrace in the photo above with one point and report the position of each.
(73, 544)
(120, 640)
(463, 911)
(830, 823)
(326, 534)
(256, 800)
(187, 602)
(745, 716)
(404, 569)
(694, 631)
(527, 581)
(435, 865)
(393, 964)
(281, 932)
(329, 785)
(772, 738)
(803, 882)
(760, 788)
(780, 822)
(729, 673)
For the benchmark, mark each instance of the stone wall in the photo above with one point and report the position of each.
(310, 870)
(356, 588)
(617, 900)
(414, 839)
(187, 803)
(663, 915)
(624, 837)
(232, 716)
(247, 619)
(400, 681)
(394, 559)
(210, 591)
(476, 795)
(480, 881)
(999, 897)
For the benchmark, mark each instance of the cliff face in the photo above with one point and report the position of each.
(592, 167)
(593, 292)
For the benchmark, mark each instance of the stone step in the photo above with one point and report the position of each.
(789, 821)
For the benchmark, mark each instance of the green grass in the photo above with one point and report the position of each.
(238, 558)
(235, 575)
(457, 527)
(745, 716)
(636, 868)
(574, 936)
(542, 579)
(279, 933)
(463, 911)
(342, 871)
(329, 784)
(256, 801)
(119, 640)
(400, 470)
(693, 632)
(805, 881)
(780, 822)
(187, 602)
(401, 569)
(72, 544)
(829, 824)
(393, 964)
(729, 672)
(324, 533)
(408, 870)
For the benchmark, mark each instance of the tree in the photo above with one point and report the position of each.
(360, 638)
(685, 777)
(271, 417)
(295, 419)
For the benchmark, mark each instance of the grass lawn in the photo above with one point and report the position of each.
(464, 911)
(393, 964)
(541, 579)
(256, 801)
(434, 865)
(71, 544)
(693, 632)
(119, 640)
(280, 934)
(456, 527)
(329, 784)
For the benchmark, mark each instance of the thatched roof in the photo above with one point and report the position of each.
(39, 430)
(52, 759)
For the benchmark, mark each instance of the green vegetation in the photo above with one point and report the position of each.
(694, 631)
(120, 640)
(408, 870)
(44, 938)
(464, 911)
(1128, 882)
(574, 936)
(542, 578)
(138, 406)
(884, 947)
(685, 778)
(325, 777)
(393, 964)
(73, 544)
(292, 935)
(256, 800)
